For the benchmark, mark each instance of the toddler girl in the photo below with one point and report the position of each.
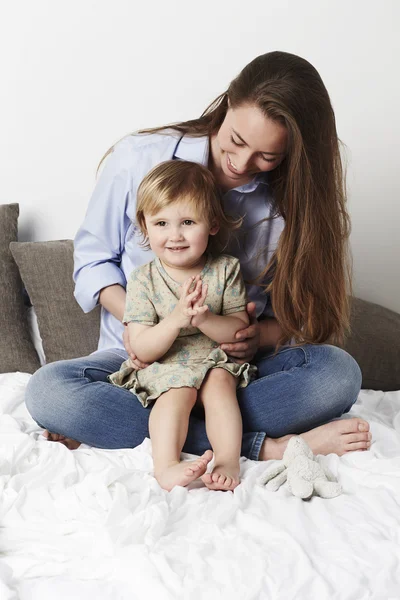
(179, 308)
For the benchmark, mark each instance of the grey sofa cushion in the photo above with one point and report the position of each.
(17, 352)
(46, 270)
(375, 344)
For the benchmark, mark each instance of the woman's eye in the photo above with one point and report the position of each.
(268, 160)
(236, 143)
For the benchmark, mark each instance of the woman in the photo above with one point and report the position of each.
(270, 140)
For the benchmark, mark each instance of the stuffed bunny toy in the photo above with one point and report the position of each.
(304, 475)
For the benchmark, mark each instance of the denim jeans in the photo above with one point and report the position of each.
(296, 389)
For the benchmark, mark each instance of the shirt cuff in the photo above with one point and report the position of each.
(93, 279)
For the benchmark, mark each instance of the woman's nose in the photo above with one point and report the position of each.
(240, 161)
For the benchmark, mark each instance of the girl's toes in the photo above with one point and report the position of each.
(206, 478)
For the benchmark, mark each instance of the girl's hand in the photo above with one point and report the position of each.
(183, 311)
(248, 339)
(199, 306)
(136, 363)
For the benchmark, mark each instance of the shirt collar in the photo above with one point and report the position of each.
(196, 149)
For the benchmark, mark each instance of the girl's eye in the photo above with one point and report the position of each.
(236, 143)
(161, 223)
(188, 222)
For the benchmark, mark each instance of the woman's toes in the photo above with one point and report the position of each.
(358, 446)
(363, 425)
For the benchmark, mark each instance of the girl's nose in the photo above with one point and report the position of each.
(176, 234)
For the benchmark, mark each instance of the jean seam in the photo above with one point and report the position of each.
(289, 371)
(256, 445)
(84, 369)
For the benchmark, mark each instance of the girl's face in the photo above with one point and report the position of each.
(178, 236)
(246, 143)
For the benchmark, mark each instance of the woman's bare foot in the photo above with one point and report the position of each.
(183, 473)
(336, 437)
(57, 437)
(224, 476)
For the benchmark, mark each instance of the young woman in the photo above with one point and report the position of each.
(270, 140)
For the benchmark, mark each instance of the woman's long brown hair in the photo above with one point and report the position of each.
(309, 273)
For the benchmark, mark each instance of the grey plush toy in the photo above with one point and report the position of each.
(304, 475)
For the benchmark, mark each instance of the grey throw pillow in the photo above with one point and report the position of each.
(46, 270)
(375, 344)
(17, 352)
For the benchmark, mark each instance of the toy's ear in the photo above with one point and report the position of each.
(297, 447)
(270, 473)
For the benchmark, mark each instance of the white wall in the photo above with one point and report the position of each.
(79, 74)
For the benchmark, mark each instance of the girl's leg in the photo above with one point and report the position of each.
(298, 391)
(224, 428)
(168, 425)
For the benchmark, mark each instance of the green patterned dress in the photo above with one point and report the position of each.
(152, 295)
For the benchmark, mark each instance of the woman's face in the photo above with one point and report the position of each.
(246, 143)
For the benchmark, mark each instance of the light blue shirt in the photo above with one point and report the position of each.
(106, 245)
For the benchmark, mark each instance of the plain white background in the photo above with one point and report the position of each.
(78, 75)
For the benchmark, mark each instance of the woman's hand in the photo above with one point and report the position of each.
(248, 339)
(136, 363)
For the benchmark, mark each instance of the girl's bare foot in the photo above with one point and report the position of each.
(183, 473)
(337, 437)
(57, 437)
(224, 476)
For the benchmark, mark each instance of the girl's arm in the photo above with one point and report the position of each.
(223, 328)
(151, 342)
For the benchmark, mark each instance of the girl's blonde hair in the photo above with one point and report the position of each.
(175, 181)
(309, 274)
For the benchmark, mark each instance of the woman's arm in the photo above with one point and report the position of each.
(113, 298)
(100, 240)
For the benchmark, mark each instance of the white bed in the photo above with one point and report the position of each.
(94, 523)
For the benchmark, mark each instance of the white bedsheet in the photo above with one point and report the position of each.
(94, 523)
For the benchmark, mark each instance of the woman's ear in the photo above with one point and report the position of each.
(214, 228)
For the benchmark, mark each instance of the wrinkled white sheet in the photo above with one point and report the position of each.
(94, 523)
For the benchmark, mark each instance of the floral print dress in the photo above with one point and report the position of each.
(151, 295)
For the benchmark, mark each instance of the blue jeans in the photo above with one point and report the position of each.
(296, 390)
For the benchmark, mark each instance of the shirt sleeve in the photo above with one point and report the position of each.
(100, 240)
(139, 307)
(234, 297)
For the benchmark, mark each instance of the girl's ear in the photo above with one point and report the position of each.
(214, 228)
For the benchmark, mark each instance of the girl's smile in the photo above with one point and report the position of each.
(178, 236)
